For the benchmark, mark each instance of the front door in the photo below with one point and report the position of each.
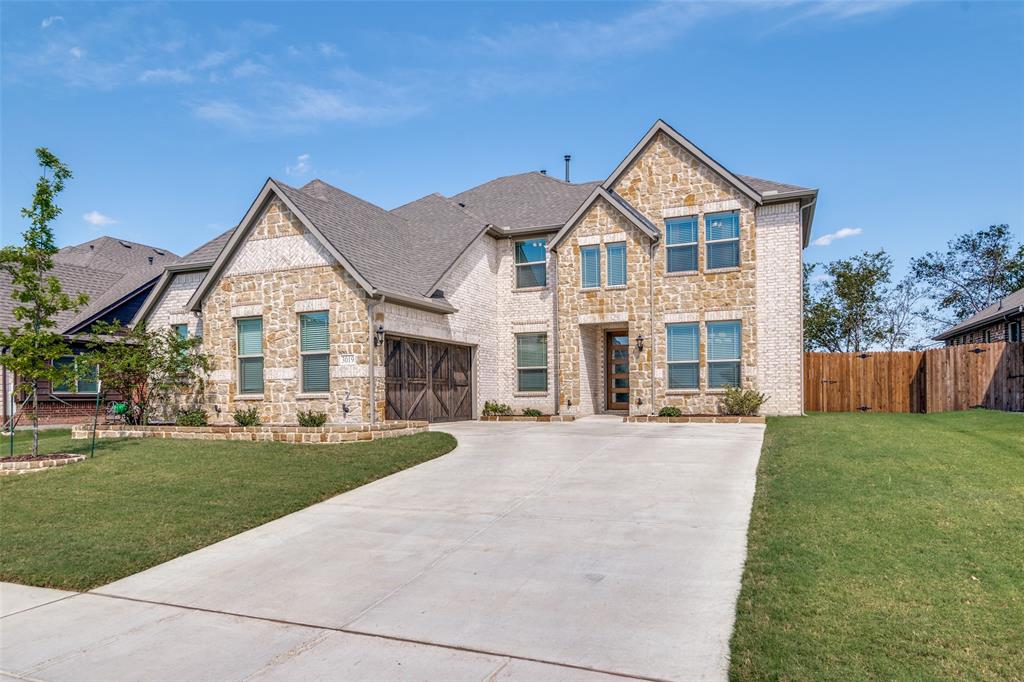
(617, 345)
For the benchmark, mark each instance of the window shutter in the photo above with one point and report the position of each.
(532, 350)
(250, 336)
(315, 374)
(616, 264)
(683, 343)
(591, 263)
(313, 332)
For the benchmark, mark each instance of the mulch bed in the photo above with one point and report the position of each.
(34, 458)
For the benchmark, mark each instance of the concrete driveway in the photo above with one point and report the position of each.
(570, 551)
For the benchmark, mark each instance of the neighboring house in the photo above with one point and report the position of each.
(117, 275)
(1000, 321)
(660, 285)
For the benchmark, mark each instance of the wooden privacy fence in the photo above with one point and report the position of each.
(939, 380)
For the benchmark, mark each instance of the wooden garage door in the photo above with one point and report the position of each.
(427, 380)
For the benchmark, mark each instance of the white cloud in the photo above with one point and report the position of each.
(329, 50)
(213, 59)
(97, 219)
(165, 76)
(301, 167)
(826, 239)
(836, 11)
(77, 52)
(249, 68)
(50, 21)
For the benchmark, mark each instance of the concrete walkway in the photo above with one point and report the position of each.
(574, 551)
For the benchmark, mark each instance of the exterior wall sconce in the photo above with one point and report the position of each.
(378, 335)
(639, 401)
(640, 342)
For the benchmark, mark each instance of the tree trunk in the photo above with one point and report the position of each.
(35, 418)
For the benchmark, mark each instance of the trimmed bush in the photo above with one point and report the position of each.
(193, 416)
(249, 417)
(312, 418)
(670, 411)
(495, 409)
(531, 412)
(744, 402)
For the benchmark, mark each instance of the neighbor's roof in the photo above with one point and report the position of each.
(108, 270)
(1010, 305)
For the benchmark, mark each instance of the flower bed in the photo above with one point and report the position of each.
(520, 418)
(27, 464)
(694, 419)
(341, 433)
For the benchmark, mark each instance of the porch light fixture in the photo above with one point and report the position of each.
(640, 342)
(378, 335)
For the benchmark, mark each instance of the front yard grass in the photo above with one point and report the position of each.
(886, 546)
(141, 502)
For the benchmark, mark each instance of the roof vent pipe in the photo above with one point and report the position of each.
(150, 260)
(543, 171)
(568, 158)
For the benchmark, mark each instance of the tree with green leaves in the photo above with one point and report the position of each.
(32, 344)
(844, 309)
(976, 270)
(151, 369)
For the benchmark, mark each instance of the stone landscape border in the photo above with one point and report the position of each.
(520, 418)
(31, 466)
(696, 419)
(341, 433)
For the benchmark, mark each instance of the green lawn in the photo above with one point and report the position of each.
(887, 547)
(140, 502)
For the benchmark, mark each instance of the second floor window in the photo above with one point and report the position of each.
(616, 253)
(590, 266)
(531, 263)
(314, 343)
(722, 240)
(250, 354)
(681, 244)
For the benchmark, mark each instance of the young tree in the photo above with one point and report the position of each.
(901, 314)
(151, 369)
(976, 270)
(843, 311)
(32, 344)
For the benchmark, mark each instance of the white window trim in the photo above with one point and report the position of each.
(669, 363)
(547, 373)
(695, 243)
(239, 357)
(583, 282)
(608, 262)
(708, 242)
(304, 353)
(529, 263)
(738, 360)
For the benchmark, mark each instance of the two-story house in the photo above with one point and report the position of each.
(661, 285)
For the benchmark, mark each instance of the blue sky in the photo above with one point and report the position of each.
(909, 117)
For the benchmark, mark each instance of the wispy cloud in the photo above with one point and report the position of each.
(76, 52)
(301, 166)
(50, 21)
(97, 219)
(165, 76)
(249, 68)
(834, 11)
(843, 233)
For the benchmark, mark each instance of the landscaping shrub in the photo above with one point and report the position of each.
(249, 417)
(744, 402)
(495, 409)
(670, 411)
(312, 418)
(531, 412)
(193, 416)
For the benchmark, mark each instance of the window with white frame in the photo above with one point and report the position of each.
(590, 266)
(314, 344)
(615, 254)
(84, 378)
(531, 263)
(724, 344)
(250, 354)
(681, 244)
(181, 330)
(722, 240)
(532, 362)
(683, 349)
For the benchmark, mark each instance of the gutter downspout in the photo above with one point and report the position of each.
(654, 245)
(803, 355)
(554, 298)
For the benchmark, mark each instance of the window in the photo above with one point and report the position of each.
(683, 355)
(314, 342)
(87, 377)
(723, 354)
(590, 258)
(722, 240)
(616, 253)
(681, 244)
(532, 362)
(181, 330)
(1013, 331)
(250, 354)
(987, 336)
(531, 263)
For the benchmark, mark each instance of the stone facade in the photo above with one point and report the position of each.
(258, 434)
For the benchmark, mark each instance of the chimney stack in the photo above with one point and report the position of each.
(568, 158)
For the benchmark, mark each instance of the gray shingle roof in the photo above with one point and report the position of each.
(1008, 305)
(525, 200)
(207, 253)
(768, 187)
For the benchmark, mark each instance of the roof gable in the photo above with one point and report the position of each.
(618, 203)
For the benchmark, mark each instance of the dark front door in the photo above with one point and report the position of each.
(617, 346)
(427, 380)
